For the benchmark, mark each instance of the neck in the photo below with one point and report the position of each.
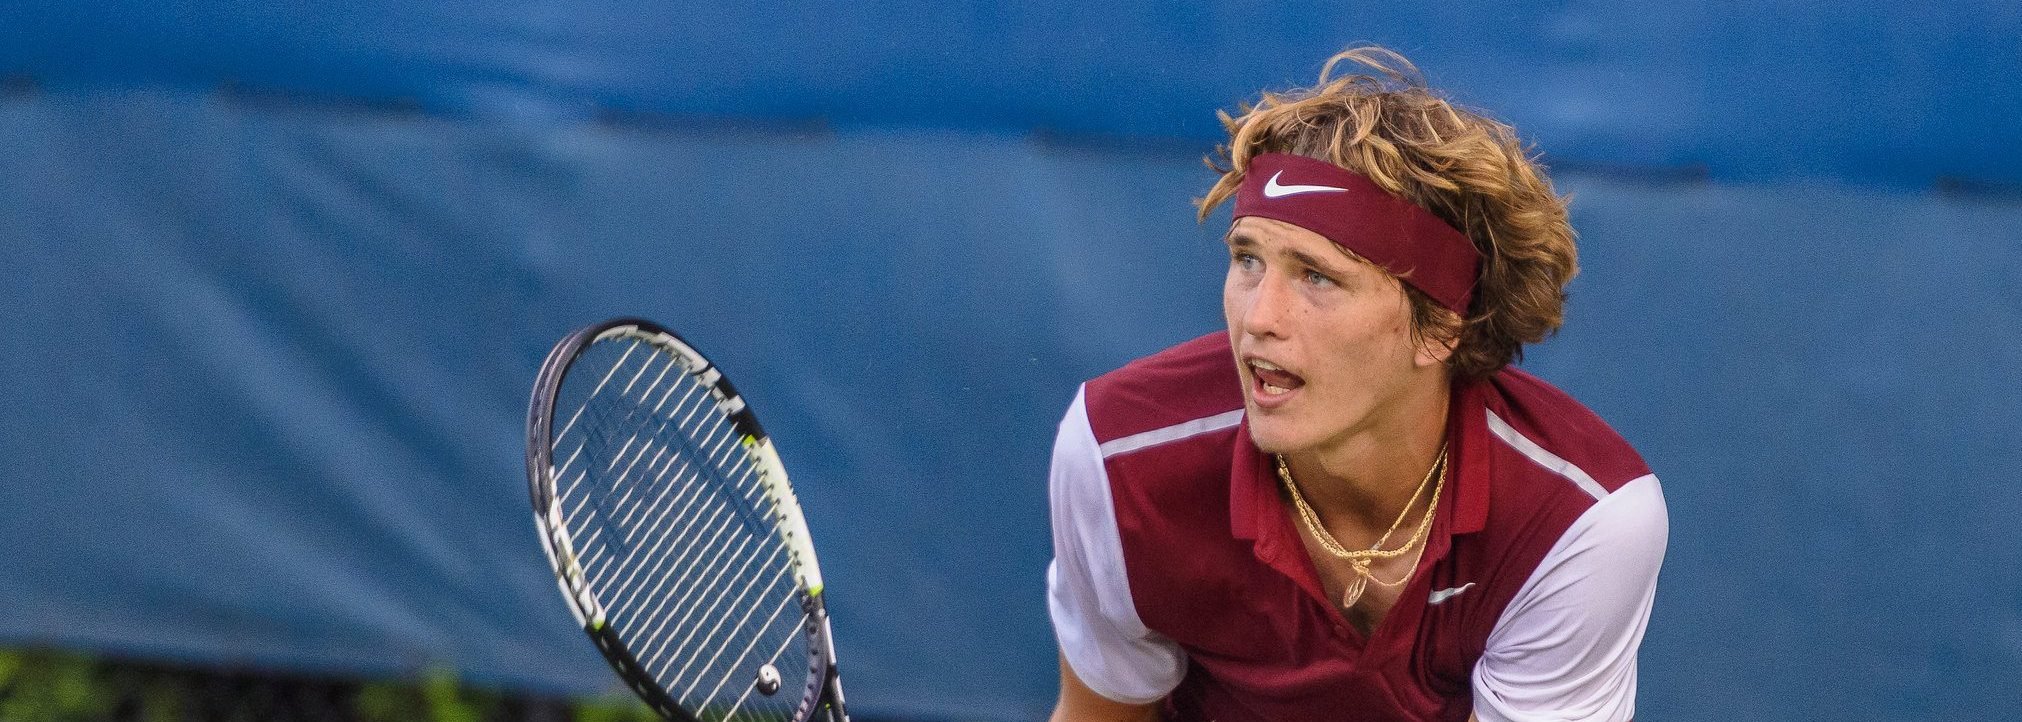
(1367, 477)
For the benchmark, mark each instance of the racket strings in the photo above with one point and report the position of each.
(675, 530)
(739, 704)
(742, 654)
(699, 572)
(589, 403)
(656, 511)
(715, 513)
(627, 522)
(621, 591)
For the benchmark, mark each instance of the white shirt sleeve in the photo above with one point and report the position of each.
(1565, 647)
(1087, 594)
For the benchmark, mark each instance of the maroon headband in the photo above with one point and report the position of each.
(1353, 212)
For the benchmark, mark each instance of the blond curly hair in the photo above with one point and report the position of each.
(1462, 166)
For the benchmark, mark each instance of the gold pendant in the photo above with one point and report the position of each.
(1353, 592)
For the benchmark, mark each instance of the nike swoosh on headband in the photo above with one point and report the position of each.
(1445, 594)
(1273, 190)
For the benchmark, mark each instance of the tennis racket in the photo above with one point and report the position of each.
(673, 532)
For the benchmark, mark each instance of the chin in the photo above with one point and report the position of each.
(1271, 437)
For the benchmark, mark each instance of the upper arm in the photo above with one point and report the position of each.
(1565, 647)
(1101, 638)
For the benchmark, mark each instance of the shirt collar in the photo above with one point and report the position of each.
(1467, 431)
(1257, 511)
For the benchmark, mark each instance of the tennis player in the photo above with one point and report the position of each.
(1348, 506)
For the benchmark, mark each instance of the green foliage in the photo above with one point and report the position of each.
(54, 686)
(43, 686)
(614, 709)
(162, 700)
(436, 697)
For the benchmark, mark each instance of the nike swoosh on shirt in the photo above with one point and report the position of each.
(1273, 190)
(1445, 594)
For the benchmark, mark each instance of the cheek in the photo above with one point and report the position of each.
(1232, 299)
(1366, 346)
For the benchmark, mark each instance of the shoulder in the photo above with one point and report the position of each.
(1097, 510)
(1158, 436)
(1547, 460)
(1187, 383)
(1560, 486)
(1562, 440)
(1580, 527)
(1565, 483)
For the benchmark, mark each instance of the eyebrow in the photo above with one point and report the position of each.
(1333, 266)
(1314, 262)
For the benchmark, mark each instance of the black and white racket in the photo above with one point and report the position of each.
(673, 532)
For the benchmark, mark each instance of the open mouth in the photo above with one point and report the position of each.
(1273, 380)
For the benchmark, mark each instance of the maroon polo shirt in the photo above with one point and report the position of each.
(1217, 575)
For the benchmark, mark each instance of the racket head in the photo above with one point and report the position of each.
(672, 529)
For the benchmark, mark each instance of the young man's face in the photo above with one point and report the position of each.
(1322, 340)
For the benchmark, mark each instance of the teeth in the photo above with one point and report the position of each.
(1265, 365)
(1269, 389)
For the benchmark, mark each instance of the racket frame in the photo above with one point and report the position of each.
(821, 697)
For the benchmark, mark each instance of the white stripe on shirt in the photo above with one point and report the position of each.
(1171, 433)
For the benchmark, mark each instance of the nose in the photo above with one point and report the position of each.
(1266, 306)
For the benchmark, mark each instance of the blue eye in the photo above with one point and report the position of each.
(1245, 261)
(1318, 279)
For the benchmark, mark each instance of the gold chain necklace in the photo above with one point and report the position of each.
(1360, 559)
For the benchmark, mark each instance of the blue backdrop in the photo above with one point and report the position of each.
(278, 279)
